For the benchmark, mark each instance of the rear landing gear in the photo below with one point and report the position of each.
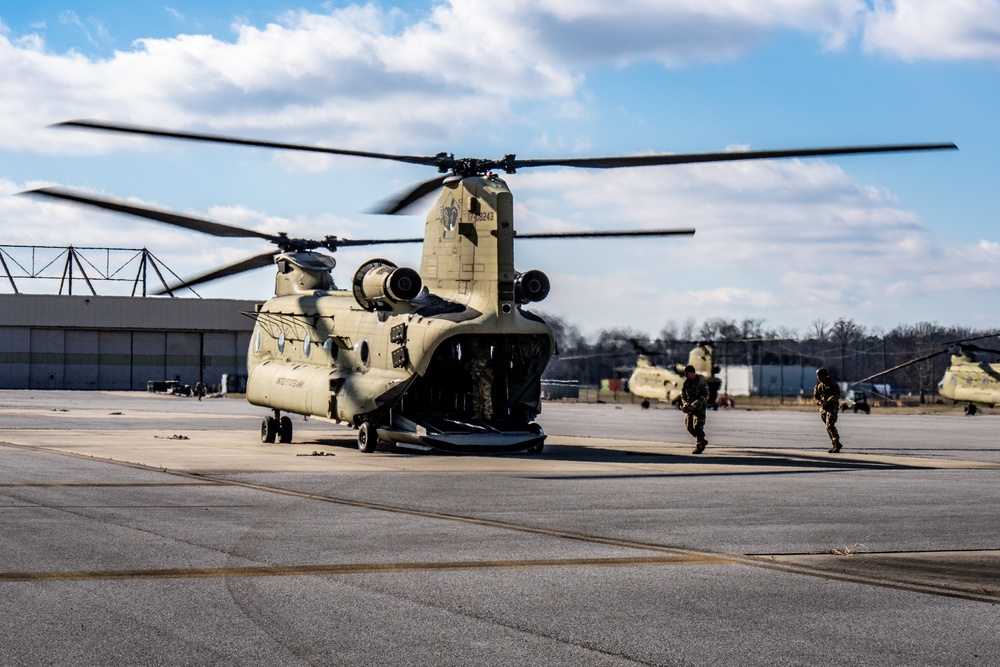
(971, 409)
(367, 437)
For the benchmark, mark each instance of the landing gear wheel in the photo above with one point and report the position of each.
(645, 404)
(285, 430)
(367, 438)
(268, 430)
(971, 409)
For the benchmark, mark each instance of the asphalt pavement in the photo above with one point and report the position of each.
(145, 529)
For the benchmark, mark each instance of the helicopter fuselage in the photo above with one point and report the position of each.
(659, 383)
(969, 381)
(456, 365)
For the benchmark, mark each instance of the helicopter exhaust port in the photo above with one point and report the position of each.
(379, 283)
(531, 286)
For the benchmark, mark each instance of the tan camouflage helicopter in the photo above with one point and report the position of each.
(448, 358)
(658, 383)
(966, 380)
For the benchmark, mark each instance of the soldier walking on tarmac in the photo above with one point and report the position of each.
(694, 400)
(827, 395)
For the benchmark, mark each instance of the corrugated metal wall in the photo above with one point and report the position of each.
(111, 342)
(87, 359)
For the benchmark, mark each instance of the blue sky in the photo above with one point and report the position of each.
(883, 239)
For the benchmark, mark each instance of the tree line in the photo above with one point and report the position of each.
(850, 350)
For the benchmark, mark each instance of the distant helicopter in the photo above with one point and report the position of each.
(448, 358)
(966, 380)
(658, 383)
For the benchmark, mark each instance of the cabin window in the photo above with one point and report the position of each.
(281, 343)
(364, 352)
(256, 341)
(330, 347)
(306, 345)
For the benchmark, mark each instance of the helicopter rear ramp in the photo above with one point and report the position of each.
(460, 436)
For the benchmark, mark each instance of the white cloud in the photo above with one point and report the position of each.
(933, 30)
(734, 296)
(365, 77)
(832, 244)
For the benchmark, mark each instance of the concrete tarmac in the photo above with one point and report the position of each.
(143, 529)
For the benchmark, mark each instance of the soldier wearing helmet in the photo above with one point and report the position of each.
(694, 400)
(827, 395)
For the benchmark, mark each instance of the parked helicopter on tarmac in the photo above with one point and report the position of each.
(658, 383)
(966, 380)
(448, 358)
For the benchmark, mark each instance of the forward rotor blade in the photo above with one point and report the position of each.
(612, 234)
(903, 365)
(187, 222)
(248, 264)
(402, 201)
(433, 161)
(688, 158)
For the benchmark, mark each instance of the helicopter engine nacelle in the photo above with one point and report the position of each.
(380, 283)
(531, 286)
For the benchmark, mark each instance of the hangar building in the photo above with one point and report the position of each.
(118, 342)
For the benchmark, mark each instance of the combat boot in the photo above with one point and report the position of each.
(699, 447)
(836, 447)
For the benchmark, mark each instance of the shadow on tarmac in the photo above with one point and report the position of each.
(748, 458)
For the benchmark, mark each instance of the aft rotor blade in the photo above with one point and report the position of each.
(596, 355)
(433, 161)
(345, 243)
(969, 340)
(731, 156)
(611, 234)
(248, 264)
(903, 365)
(401, 202)
(187, 222)
(977, 348)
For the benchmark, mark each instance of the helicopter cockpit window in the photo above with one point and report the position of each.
(306, 345)
(281, 343)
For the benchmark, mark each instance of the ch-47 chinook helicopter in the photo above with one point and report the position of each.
(658, 383)
(966, 380)
(448, 358)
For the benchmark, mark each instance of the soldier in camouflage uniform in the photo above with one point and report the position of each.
(827, 395)
(694, 399)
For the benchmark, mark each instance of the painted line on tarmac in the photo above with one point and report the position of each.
(881, 582)
(347, 568)
(96, 485)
